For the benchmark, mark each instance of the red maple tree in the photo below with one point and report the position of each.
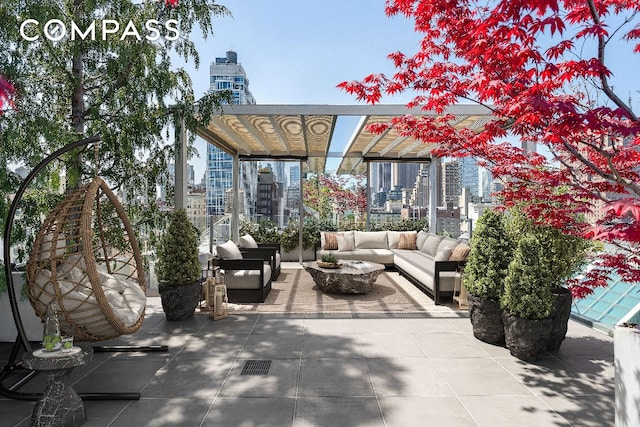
(540, 67)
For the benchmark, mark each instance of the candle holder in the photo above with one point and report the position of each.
(217, 295)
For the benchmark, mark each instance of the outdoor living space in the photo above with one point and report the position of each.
(388, 358)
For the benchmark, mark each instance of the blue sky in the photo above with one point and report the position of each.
(296, 52)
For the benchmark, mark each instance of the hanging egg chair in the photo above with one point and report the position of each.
(86, 259)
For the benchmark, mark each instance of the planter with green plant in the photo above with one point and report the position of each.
(328, 261)
(527, 301)
(486, 267)
(563, 256)
(178, 268)
(311, 229)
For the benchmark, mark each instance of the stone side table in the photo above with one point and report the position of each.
(353, 277)
(59, 405)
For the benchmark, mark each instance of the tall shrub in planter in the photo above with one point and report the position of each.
(484, 273)
(178, 268)
(527, 301)
(563, 255)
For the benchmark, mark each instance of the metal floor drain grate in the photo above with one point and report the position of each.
(256, 367)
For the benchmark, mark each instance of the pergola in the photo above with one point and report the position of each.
(305, 133)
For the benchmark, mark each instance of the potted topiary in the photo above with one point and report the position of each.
(486, 267)
(178, 268)
(527, 301)
(563, 256)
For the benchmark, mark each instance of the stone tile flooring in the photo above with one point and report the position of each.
(391, 358)
(341, 369)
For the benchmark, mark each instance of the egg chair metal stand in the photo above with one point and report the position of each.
(80, 269)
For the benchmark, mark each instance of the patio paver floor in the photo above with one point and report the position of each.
(340, 369)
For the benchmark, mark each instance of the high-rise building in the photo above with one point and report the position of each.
(404, 175)
(226, 74)
(470, 176)
(450, 182)
(294, 176)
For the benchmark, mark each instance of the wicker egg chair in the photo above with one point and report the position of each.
(86, 259)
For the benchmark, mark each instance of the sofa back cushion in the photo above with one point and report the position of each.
(228, 250)
(371, 240)
(420, 238)
(430, 245)
(346, 242)
(445, 248)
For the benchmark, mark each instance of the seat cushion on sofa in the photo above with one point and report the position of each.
(421, 267)
(381, 256)
(246, 279)
(430, 246)
(371, 240)
(228, 250)
(394, 238)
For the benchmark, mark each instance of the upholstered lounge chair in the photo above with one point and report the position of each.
(248, 280)
(270, 252)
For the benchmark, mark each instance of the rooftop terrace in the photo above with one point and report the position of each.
(391, 359)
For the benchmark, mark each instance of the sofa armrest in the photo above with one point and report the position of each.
(444, 266)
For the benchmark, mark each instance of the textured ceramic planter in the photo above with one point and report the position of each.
(486, 319)
(560, 318)
(526, 339)
(180, 302)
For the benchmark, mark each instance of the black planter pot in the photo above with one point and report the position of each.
(179, 302)
(486, 319)
(560, 318)
(526, 339)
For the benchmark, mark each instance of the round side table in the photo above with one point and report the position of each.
(59, 405)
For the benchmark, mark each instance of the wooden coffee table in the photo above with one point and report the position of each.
(353, 277)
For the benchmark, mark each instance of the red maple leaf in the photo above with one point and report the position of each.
(6, 91)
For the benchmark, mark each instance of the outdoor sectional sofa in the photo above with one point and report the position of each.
(429, 261)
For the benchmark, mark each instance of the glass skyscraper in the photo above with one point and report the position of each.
(227, 74)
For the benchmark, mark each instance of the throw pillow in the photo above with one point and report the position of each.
(407, 241)
(247, 241)
(460, 252)
(330, 241)
(442, 254)
(345, 244)
(228, 250)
